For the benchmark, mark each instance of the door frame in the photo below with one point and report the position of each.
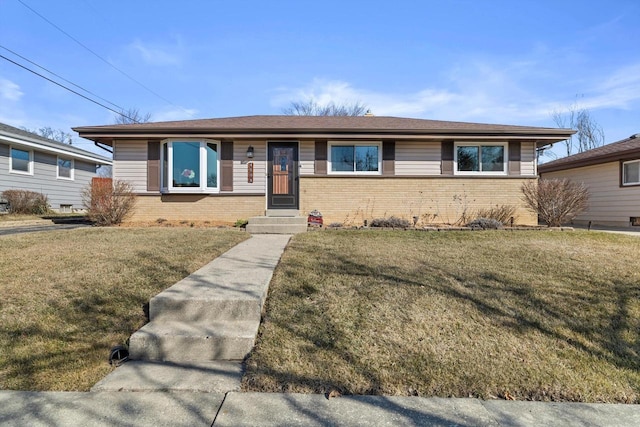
(295, 144)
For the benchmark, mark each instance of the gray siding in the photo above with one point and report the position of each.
(609, 204)
(44, 179)
(528, 159)
(130, 163)
(417, 158)
(241, 184)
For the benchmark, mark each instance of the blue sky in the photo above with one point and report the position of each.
(507, 62)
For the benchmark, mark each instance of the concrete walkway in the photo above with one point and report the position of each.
(629, 231)
(205, 393)
(202, 327)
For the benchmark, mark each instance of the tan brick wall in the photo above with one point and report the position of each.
(351, 200)
(187, 207)
(433, 200)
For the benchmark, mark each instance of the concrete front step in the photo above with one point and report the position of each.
(282, 212)
(166, 308)
(285, 220)
(193, 342)
(220, 376)
(232, 287)
(277, 225)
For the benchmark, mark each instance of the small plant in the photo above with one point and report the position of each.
(335, 225)
(161, 220)
(501, 213)
(26, 202)
(556, 201)
(391, 222)
(485, 224)
(241, 223)
(108, 202)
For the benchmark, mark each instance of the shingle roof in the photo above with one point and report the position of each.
(49, 143)
(626, 149)
(324, 123)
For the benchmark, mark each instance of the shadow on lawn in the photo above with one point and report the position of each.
(77, 331)
(596, 323)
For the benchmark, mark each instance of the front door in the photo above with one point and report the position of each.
(282, 175)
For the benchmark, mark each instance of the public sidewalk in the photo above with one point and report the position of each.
(158, 409)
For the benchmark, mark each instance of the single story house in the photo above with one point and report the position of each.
(612, 174)
(59, 171)
(351, 169)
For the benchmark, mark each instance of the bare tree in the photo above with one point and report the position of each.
(53, 134)
(556, 201)
(105, 171)
(312, 108)
(131, 115)
(589, 133)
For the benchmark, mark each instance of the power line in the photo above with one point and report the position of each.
(102, 59)
(65, 87)
(62, 78)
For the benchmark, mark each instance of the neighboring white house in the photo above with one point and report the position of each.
(612, 174)
(59, 171)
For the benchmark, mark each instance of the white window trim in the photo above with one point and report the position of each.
(202, 189)
(355, 144)
(505, 159)
(11, 170)
(629, 183)
(72, 174)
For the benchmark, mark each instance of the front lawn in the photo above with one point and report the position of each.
(533, 315)
(69, 296)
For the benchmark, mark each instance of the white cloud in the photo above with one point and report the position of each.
(9, 90)
(155, 54)
(488, 91)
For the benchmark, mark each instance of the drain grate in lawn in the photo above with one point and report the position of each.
(525, 315)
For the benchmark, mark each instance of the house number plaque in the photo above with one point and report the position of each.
(250, 172)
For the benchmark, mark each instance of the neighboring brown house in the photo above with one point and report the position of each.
(612, 174)
(351, 169)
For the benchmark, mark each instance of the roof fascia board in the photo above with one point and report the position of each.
(353, 135)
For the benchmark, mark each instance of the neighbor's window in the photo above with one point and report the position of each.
(21, 161)
(361, 157)
(190, 166)
(631, 173)
(471, 158)
(65, 168)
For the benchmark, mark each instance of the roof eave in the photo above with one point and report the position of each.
(612, 157)
(541, 138)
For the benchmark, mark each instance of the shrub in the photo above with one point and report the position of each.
(241, 223)
(501, 213)
(108, 202)
(485, 224)
(391, 222)
(556, 201)
(26, 202)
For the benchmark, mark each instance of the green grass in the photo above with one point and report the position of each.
(517, 315)
(69, 296)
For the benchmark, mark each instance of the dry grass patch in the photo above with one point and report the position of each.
(515, 315)
(69, 296)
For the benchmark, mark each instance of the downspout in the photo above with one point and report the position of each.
(97, 144)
